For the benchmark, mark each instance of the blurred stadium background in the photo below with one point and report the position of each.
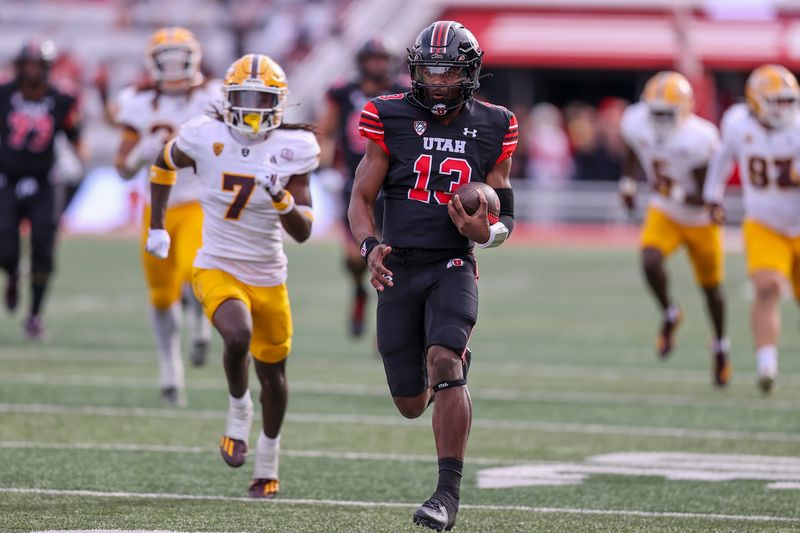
(568, 385)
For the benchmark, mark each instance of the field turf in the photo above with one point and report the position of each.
(564, 371)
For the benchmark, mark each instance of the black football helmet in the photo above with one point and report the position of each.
(374, 48)
(445, 52)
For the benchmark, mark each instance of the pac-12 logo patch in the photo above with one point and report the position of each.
(217, 147)
(420, 126)
(457, 262)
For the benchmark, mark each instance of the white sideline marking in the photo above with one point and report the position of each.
(312, 454)
(359, 390)
(669, 465)
(368, 504)
(790, 485)
(375, 420)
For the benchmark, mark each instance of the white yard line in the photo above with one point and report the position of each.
(373, 504)
(312, 454)
(376, 420)
(360, 390)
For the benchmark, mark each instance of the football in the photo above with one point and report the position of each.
(468, 194)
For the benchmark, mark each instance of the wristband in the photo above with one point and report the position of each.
(367, 245)
(498, 233)
(627, 186)
(285, 205)
(162, 176)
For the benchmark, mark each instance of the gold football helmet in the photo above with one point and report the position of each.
(773, 95)
(255, 91)
(173, 55)
(670, 100)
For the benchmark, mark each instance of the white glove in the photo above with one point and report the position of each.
(157, 243)
(145, 152)
(271, 182)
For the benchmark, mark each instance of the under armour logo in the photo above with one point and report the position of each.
(470, 133)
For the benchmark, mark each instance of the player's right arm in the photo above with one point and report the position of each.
(326, 132)
(719, 168)
(163, 175)
(630, 124)
(369, 178)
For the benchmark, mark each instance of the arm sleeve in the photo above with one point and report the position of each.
(190, 137)
(509, 139)
(371, 126)
(305, 156)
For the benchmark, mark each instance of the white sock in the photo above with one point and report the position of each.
(767, 361)
(721, 345)
(267, 452)
(198, 325)
(672, 313)
(240, 417)
(166, 325)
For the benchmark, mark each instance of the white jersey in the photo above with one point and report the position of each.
(763, 155)
(669, 163)
(242, 233)
(147, 112)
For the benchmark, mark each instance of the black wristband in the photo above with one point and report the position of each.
(367, 245)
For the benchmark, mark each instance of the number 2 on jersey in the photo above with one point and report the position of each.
(422, 168)
(242, 185)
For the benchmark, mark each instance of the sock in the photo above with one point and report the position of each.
(38, 289)
(166, 323)
(450, 476)
(767, 360)
(721, 345)
(198, 325)
(672, 313)
(267, 451)
(240, 416)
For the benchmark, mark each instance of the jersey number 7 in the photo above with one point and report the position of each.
(242, 185)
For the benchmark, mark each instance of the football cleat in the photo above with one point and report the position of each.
(11, 294)
(722, 368)
(264, 488)
(665, 341)
(357, 314)
(438, 512)
(173, 397)
(199, 354)
(34, 328)
(233, 451)
(766, 381)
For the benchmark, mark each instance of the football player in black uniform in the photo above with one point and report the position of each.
(32, 112)
(422, 146)
(339, 122)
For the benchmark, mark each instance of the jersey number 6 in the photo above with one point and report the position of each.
(242, 185)
(422, 168)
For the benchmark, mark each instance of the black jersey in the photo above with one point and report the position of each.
(28, 130)
(428, 161)
(350, 100)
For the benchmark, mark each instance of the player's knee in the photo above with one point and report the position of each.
(271, 376)
(767, 288)
(443, 364)
(237, 341)
(652, 260)
(411, 407)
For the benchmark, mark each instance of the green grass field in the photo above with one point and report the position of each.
(564, 371)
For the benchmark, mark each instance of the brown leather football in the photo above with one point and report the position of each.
(468, 194)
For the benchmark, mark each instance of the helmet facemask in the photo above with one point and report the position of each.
(664, 118)
(173, 65)
(442, 86)
(779, 110)
(254, 110)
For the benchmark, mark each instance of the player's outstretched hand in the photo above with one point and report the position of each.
(717, 213)
(380, 276)
(474, 227)
(157, 243)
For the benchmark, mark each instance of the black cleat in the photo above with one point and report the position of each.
(438, 513)
(357, 313)
(199, 354)
(11, 294)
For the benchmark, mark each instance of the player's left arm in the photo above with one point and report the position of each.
(699, 177)
(294, 206)
(476, 226)
(73, 131)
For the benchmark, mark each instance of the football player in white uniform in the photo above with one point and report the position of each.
(149, 116)
(253, 172)
(763, 135)
(673, 147)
